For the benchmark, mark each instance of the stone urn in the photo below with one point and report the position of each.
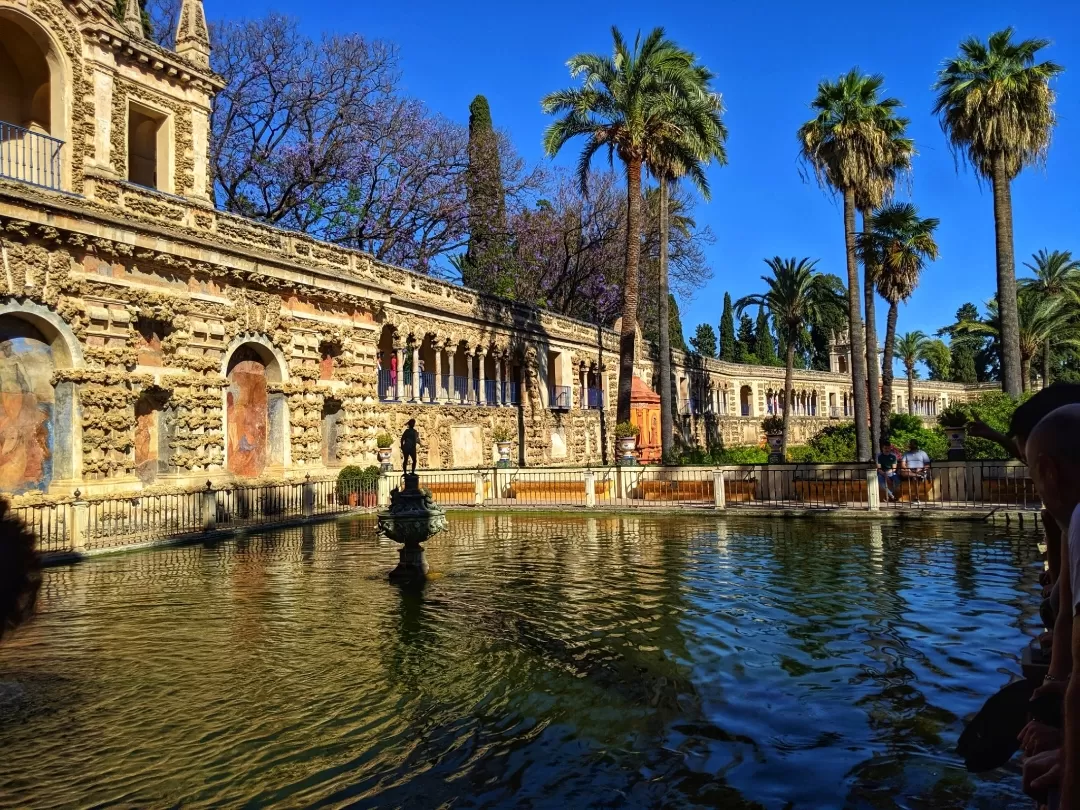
(956, 437)
(504, 453)
(775, 440)
(383, 454)
(627, 448)
(412, 519)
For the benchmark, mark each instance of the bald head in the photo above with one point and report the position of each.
(1053, 456)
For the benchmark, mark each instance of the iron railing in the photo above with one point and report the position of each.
(74, 524)
(594, 398)
(30, 157)
(560, 397)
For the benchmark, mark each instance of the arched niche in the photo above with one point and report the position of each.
(34, 96)
(40, 426)
(256, 418)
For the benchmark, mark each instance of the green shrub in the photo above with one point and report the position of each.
(502, 433)
(354, 478)
(383, 440)
(995, 408)
(954, 416)
(800, 454)
(748, 454)
(626, 430)
(833, 443)
(772, 424)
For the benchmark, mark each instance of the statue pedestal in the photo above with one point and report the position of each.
(413, 518)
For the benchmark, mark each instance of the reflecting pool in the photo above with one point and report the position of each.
(556, 662)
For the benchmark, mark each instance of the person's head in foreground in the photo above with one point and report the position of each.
(1053, 457)
(1030, 413)
(913, 446)
(20, 571)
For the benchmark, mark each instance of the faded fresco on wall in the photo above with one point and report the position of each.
(247, 415)
(331, 425)
(467, 442)
(26, 408)
(146, 441)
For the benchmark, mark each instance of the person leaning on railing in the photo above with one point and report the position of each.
(20, 570)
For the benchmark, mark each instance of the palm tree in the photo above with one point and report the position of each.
(697, 139)
(1040, 319)
(899, 245)
(911, 347)
(1057, 275)
(847, 143)
(797, 296)
(873, 196)
(996, 107)
(624, 104)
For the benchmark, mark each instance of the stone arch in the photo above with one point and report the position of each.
(256, 413)
(746, 401)
(35, 95)
(39, 420)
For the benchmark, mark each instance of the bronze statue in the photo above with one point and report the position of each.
(409, 440)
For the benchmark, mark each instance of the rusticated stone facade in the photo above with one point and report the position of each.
(148, 340)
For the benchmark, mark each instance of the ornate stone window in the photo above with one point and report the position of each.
(149, 147)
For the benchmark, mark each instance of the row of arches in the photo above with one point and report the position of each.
(803, 403)
(440, 371)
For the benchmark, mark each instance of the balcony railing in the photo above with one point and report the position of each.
(594, 398)
(30, 157)
(560, 397)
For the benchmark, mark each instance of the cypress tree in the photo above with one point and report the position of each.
(675, 332)
(744, 346)
(764, 346)
(486, 265)
(727, 331)
(704, 340)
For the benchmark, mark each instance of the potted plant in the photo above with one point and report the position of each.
(383, 440)
(626, 436)
(503, 439)
(348, 484)
(369, 486)
(774, 432)
(954, 419)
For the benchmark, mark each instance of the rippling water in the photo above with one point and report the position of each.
(557, 662)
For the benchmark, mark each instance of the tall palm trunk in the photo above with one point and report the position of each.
(789, 374)
(1012, 380)
(667, 431)
(1025, 373)
(873, 370)
(630, 288)
(1046, 363)
(887, 368)
(856, 336)
(910, 388)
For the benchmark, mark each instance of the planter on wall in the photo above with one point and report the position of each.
(956, 437)
(504, 453)
(627, 448)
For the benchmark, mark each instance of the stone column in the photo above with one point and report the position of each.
(416, 371)
(399, 352)
(498, 381)
(481, 395)
(451, 359)
(438, 372)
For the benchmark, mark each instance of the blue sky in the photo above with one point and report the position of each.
(768, 58)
